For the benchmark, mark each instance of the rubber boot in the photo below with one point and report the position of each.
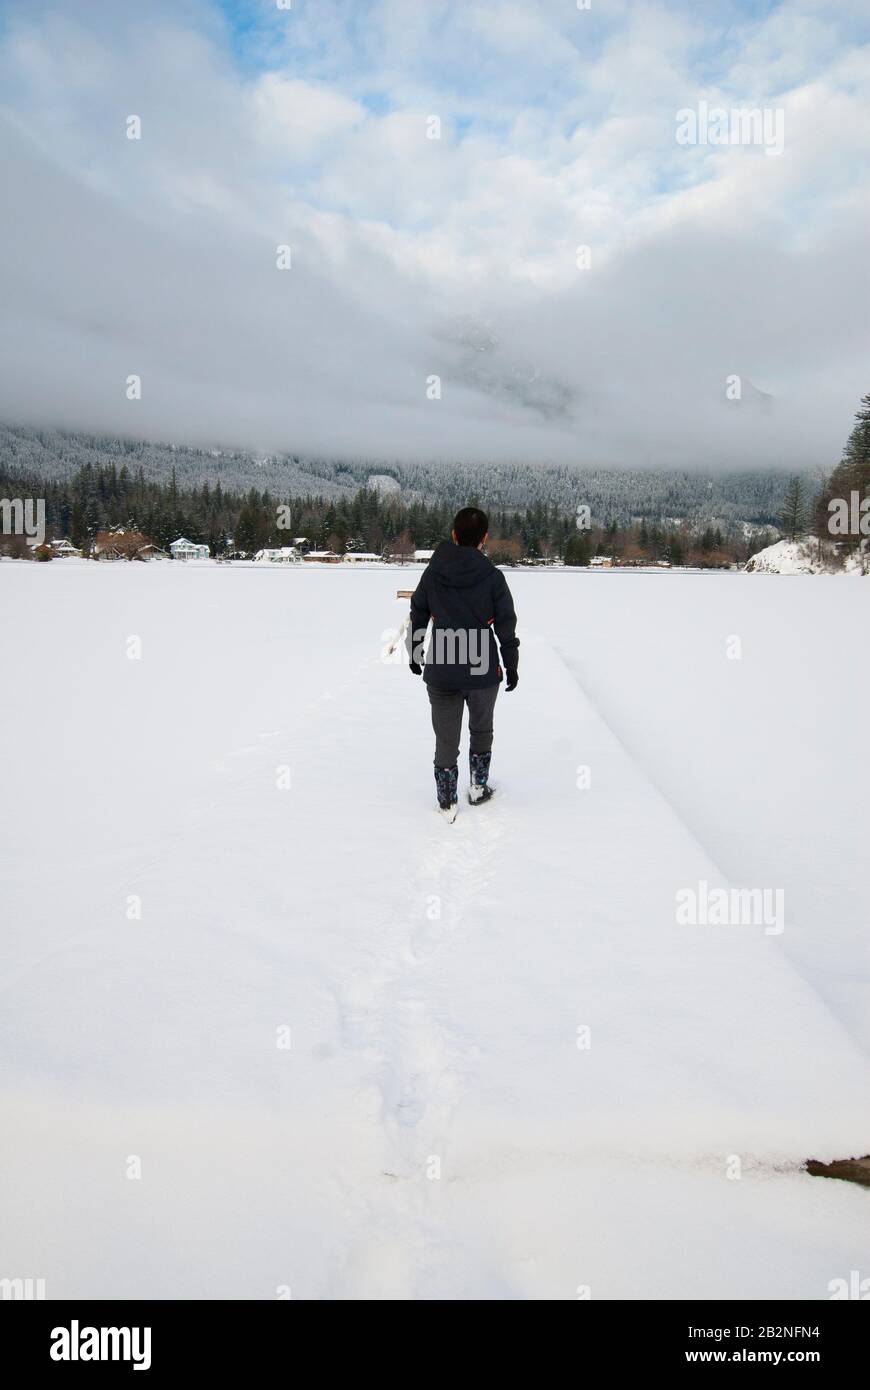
(479, 789)
(446, 779)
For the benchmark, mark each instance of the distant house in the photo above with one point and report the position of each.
(61, 549)
(602, 561)
(284, 555)
(183, 549)
(323, 557)
(120, 544)
(424, 555)
(361, 557)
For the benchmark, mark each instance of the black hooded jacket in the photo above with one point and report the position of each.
(468, 600)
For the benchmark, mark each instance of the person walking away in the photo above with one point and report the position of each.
(473, 647)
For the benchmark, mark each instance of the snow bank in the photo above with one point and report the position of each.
(805, 557)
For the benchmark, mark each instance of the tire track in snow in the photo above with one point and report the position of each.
(639, 768)
(644, 773)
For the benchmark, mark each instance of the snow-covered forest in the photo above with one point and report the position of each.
(611, 493)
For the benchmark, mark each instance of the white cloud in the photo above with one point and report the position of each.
(160, 254)
(300, 116)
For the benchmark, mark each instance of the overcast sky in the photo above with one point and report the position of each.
(457, 257)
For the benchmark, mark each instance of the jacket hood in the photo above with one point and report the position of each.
(459, 566)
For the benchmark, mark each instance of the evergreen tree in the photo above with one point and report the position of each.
(794, 512)
(856, 455)
(577, 549)
(852, 473)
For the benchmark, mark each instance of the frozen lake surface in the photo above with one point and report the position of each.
(270, 1024)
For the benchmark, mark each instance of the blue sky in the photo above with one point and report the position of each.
(261, 36)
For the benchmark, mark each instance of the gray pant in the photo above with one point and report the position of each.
(447, 706)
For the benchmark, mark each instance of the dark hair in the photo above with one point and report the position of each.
(470, 525)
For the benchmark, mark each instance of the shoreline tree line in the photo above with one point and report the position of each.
(101, 497)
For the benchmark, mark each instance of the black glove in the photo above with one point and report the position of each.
(415, 669)
(511, 679)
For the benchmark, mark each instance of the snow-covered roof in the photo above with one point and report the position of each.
(284, 552)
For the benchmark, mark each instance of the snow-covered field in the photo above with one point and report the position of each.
(511, 1072)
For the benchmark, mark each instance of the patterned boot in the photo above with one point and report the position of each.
(446, 779)
(479, 790)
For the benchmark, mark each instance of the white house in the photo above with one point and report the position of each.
(183, 549)
(361, 557)
(424, 555)
(286, 555)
